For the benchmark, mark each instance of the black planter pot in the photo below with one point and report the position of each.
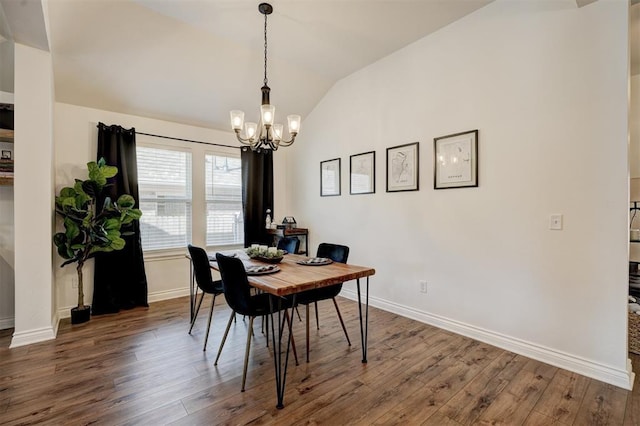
(80, 315)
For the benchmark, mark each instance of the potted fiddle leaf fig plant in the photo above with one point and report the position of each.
(87, 232)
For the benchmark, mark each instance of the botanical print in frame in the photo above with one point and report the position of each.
(456, 160)
(362, 176)
(330, 177)
(403, 167)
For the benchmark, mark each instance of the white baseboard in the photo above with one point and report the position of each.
(155, 296)
(6, 323)
(618, 377)
(29, 337)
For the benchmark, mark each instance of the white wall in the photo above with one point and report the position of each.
(33, 196)
(76, 138)
(546, 85)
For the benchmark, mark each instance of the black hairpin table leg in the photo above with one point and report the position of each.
(364, 329)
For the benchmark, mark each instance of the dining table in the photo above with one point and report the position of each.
(292, 275)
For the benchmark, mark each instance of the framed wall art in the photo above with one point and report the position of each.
(403, 167)
(362, 173)
(456, 160)
(330, 177)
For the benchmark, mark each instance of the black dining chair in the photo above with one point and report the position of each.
(290, 244)
(240, 300)
(337, 253)
(202, 273)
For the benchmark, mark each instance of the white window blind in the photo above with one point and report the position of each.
(164, 181)
(224, 200)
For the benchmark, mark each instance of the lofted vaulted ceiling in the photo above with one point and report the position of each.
(192, 61)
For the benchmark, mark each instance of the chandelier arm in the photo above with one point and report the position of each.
(289, 142)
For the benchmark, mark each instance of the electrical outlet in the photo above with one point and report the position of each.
(74, 282)
(555, 222)
(423, 286)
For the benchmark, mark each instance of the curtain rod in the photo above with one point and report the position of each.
(187, 140)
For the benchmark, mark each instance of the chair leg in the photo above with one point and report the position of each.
(195, 315)
(224, 338)
(206, 336)
(341, 322)
(246, 352)
(298, 312)
(315, 304)
(307, 307)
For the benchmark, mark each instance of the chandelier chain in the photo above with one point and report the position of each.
(265, 50)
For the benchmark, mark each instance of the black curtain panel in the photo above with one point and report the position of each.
(120, 281)
(257, 194)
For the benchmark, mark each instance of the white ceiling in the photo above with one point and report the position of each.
(192, 61)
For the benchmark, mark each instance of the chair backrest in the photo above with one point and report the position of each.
(335, 252)
(235, 283)
(201, 268)
(290, 244)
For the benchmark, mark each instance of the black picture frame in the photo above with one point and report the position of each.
(330, 171)
(455, 160)
(362, 173)
(403, 167)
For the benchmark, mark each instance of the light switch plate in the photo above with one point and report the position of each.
(555, 222)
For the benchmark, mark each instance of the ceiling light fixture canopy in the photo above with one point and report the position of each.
(267, 134)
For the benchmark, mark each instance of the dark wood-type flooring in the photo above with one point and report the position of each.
(140, 367)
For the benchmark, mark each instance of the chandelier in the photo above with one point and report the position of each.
(267, 134)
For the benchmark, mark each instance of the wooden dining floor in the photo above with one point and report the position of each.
(140, 367)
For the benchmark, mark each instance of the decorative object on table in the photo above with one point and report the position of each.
(289, 222)
(267, 221)
(202, 275)
(403, 167)
(330, 177)
(265, 254)
(87, 233)
(362, 173)
(267, 134)
(262, 270)
(455, 160)
(315, 261)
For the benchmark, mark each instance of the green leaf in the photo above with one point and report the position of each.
(72, 230)
(101, 162)
(109, 171)
(111, 224)
(60, 239)
(118, 244)
(67, 192)
(94, 170)
(126, 201)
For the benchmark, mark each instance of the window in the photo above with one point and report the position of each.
(224, 200)
(164, 180)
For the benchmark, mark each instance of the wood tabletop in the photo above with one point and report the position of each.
(294, 278)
